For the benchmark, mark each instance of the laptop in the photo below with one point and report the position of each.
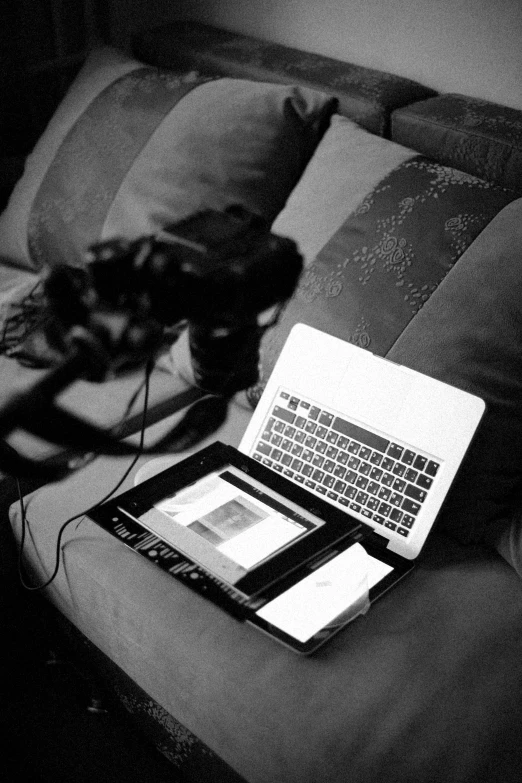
(373, 438)
(325, 505)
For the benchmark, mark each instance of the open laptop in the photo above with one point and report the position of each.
(326, 504)
(374, 438)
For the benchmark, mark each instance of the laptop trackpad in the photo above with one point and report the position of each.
(373, 390)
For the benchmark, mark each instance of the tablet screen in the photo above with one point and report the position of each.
(228, 522)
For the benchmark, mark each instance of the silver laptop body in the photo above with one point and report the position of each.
(374, 438)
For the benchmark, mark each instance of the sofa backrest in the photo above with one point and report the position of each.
(365, 95)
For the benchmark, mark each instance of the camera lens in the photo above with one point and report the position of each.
(225, 360)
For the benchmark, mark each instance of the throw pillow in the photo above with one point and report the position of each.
(380, 227)
(133, 148)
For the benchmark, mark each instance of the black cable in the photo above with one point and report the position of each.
(139, 451)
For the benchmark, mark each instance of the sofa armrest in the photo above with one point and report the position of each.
(11, 169)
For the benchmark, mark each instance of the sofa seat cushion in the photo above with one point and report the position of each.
(426, 677)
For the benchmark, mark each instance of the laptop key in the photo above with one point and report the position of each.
(366, 437)
(354, 467)
(410, 506)
(408, 457)
(283, 413)
(420, 462)
(326, 418)
(432, 468)
(424, 481)
(415, 492)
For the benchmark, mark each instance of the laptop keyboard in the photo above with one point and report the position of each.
(358, 469)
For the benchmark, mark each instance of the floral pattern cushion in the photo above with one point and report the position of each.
(388, 257)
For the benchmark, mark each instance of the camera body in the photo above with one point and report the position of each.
(214, 273)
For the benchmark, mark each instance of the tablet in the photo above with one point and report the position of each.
(259, 546)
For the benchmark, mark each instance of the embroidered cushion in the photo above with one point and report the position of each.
(424, 269)
(133, 147)
(397, 223)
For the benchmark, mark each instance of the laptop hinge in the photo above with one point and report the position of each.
(377, 540)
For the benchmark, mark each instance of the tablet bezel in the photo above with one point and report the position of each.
(338, 525)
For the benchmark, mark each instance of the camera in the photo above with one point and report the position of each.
(215, 273)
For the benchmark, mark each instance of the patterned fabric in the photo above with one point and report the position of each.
(121, 159)
(473, 135)
(388, 257)
(365, 95)
(82, 181)
(125, 156)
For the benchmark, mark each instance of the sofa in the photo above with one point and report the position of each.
(407, 208)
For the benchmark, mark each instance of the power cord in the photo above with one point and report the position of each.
(139, 451)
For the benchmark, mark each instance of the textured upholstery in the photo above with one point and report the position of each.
(365, 95)
(393, 247)
(133, 148)
(426, 686)
(476, 136)
(430, 674)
